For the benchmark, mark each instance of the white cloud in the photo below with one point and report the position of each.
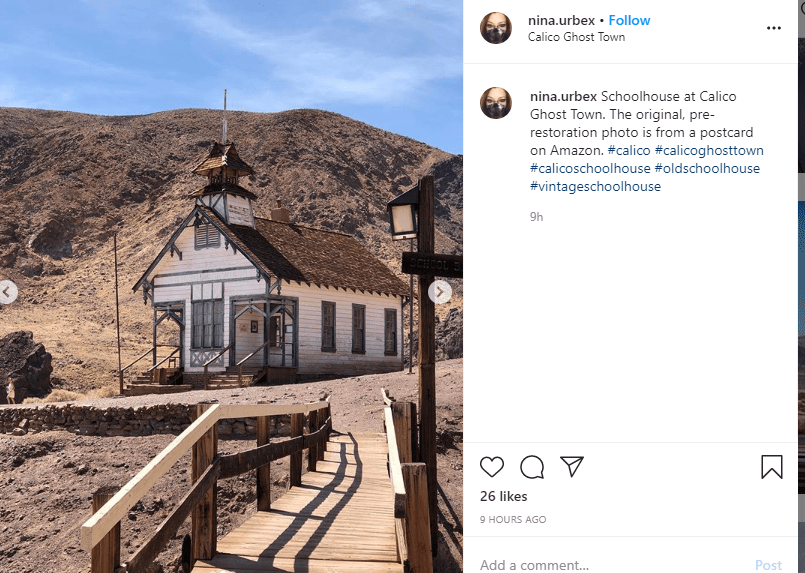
(307, 68)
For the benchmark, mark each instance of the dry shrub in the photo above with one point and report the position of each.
(105, 392)
(55, 396)
(65, 395)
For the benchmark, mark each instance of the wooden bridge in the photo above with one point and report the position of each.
(359, 508)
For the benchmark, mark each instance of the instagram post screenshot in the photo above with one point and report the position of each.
(231, 288)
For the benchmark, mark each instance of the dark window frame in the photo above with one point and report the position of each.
(359, 329)
(327, 329)
(207, 324)
(390, 332)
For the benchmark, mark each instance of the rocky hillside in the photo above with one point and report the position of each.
(69, 182)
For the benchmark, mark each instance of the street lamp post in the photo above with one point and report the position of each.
(403, 214)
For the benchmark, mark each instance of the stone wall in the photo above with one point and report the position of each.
(116, 421)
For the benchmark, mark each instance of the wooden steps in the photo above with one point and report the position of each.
(340, 520)
(229, 379)
(159, 381)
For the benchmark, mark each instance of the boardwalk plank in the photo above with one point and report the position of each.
(340, 520)
(237, 564)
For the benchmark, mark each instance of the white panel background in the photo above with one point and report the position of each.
(625, 327)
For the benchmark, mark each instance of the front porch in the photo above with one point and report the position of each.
(262, 343)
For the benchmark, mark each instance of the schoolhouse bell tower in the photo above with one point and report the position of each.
(223, 169)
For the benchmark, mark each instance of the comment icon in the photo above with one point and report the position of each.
(532, 467)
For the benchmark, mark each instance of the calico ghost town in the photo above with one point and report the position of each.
(277, 300)
(317, 452)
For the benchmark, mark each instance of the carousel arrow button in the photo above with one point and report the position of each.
(8, 292)
(440, 291)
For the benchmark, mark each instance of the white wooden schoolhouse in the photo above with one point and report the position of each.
(285, 300)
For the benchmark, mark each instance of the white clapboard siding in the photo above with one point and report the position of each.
(312, 361)
(174, 279)
(206, 259)
(246, 341)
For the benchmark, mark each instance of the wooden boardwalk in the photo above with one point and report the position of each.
(340, 520)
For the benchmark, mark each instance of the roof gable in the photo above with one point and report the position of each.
(297, 253)
(207, 215)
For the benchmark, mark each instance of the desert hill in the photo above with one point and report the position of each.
(69, 181)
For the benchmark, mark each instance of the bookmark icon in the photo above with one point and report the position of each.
(771, 464)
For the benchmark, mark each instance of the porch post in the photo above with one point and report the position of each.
(181, 338)
(231, 337)
(154, 351)
(266, 324)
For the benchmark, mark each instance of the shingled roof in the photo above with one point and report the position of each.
(221, 155)
(214, 188)
(307, 255)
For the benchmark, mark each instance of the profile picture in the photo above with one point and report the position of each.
(496, 28)
(496, 103)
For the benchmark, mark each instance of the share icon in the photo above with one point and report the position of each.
(573, 463)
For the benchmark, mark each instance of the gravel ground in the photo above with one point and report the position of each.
(47, 479)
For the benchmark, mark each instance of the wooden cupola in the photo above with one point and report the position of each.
(223, 169)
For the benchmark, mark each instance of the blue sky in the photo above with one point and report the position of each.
(394, 64)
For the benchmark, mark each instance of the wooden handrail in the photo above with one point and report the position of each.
(211, 360)
(240, 364)
(115, 509)
(171, 524)
(217, 356)
(395, 469)
(97, 526)
(259, 348)
(409, 483)
(146, 353)
(243, 462)
(143, 355)
(168, 357)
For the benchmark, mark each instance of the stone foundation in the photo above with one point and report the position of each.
(119, 421)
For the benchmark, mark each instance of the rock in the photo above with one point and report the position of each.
(52, 240)
(25, 366)
(18, 432)
(31, 267)
(82, 469)
(8, 256)
(450, 335)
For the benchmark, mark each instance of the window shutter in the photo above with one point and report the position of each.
(207, 236)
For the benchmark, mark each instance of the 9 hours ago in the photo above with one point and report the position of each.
(574, 37)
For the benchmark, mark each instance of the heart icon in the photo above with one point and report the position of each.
(492, 466)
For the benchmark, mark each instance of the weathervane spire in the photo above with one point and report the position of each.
(223, 136)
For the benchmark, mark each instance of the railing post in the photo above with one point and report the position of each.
(297, 420)
(313, 452)
(404, 418)
(106, 554)
(325, 420)
(263, 472)
(417, 518)
(204, 519)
